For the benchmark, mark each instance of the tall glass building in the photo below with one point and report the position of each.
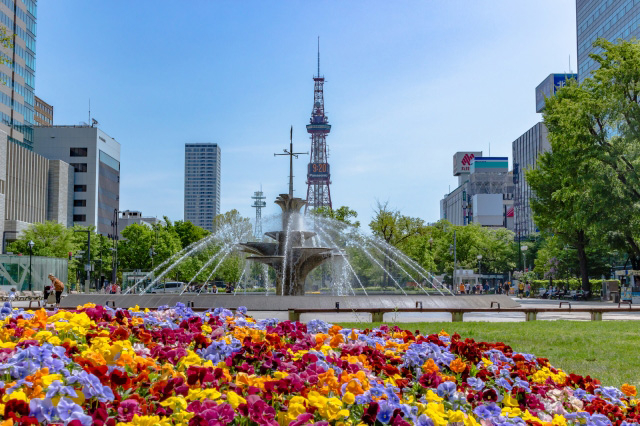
(201, 183)
(17, 71)
(609, 19)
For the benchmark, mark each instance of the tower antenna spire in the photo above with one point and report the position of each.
(318, 176)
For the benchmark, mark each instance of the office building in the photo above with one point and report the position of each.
(526, 150)
(201, 183)
(484, 194)
(129, 217)
(18, 17)
(95, 157)
(32, 189)
(608, 19)
(43, 113)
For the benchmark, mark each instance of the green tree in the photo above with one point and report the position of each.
(395, 229)
(591, 182)
(50, 239)
(187, 231)
(343, 214)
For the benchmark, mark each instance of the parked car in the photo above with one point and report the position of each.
(168, 287)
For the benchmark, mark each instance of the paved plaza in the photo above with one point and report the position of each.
(345, 316)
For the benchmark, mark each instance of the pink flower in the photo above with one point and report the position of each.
(128, 409)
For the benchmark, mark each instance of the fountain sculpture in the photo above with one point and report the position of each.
(292, 257)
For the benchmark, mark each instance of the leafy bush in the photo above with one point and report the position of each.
(574, 284)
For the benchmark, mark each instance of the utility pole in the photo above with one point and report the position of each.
(114, 237)
(455, 258)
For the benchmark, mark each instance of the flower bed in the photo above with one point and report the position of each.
(173, 366)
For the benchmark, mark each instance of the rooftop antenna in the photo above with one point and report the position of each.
(318, 56)
(570, 72)
(89, 111)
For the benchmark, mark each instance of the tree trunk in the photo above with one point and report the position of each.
(582, 258)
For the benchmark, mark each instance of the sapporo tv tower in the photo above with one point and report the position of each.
(318, 176)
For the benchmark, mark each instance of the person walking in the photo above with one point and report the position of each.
(58, 287)
(521, 289)
(506, 288)
(527, 289)
(461, 288)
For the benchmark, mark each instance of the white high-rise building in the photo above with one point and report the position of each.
(95, 158)
(201, 183)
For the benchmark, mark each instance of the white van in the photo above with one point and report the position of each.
(168, 287)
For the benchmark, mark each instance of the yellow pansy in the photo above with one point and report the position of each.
(201, 394)
(175, 403)
(431, 396)
(511, 412)
(234, 399)
(558, 420)
(510, 401)
(456, 416)
(348, 398)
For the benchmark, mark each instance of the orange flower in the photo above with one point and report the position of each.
(430, 366)
(336, 340)
(334, 330)
(457, 365)
(443, 333)
(629, 390)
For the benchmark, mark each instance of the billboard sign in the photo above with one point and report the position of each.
(549, 86)
(462, 162)
(318, 171)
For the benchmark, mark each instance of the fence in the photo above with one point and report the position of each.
(14, 271)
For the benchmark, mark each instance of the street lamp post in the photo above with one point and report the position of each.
(151, 254)
(31, 244)
(524, 257)
(88, 265)
(479, 257)
(431, 254)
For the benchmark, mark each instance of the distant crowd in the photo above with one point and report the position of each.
(522, 289)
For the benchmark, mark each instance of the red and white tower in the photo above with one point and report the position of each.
(318, 175)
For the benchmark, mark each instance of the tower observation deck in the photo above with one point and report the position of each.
(318, 172)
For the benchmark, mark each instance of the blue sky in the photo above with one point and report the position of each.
(408, 83)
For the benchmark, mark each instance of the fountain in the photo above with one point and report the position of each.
(294, 253)
(289, 256)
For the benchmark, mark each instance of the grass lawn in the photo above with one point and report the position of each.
(606, 350)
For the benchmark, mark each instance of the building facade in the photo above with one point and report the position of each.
(526, 150)
(17, 71)
(32, 189)
(609, 19)
(43, 113)
(95, 158)
(201, 183)
(484, 194)
(129, 217)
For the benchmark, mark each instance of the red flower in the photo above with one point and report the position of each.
(430, 380)
(370, 414)
(120, 378)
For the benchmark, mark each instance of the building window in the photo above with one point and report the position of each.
(79, 167)
(79, 217)
(79, 188)
(78, 152)
(79, 203)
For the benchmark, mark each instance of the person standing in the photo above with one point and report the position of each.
(521, 289)
(58, 287)
(527, 289)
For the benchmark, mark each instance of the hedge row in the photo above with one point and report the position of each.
(574, 284)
